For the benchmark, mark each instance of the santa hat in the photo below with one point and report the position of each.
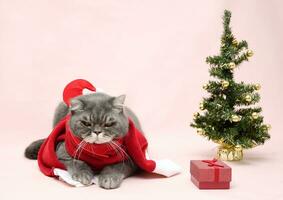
(134, 144)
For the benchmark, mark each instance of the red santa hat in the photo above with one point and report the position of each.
(133, 146)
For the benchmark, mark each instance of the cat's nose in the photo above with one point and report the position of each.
(97, 132)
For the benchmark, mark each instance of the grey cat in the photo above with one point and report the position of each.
(95, 118)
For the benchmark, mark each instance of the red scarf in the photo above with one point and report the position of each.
(95, 155)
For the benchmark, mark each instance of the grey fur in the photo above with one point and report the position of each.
(100, 114)
(32, 150)
(60, 112)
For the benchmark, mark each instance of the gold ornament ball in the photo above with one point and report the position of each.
(232, 65)
(257, 86)
(201, 106)
(248, 98)
(196, 114)
(235, 118)
(235, 42)
(205, 86)
(267, 127)
(255, 115)
(250, 53)
(200, 131)
(224, 83)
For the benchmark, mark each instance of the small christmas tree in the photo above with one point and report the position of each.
(227, 116)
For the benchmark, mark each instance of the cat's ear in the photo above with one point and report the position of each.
(118, 103)
(76, 106)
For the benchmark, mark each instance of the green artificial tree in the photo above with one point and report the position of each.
(228, 116)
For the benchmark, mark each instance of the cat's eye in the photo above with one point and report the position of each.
(85, 123)
(109, 124)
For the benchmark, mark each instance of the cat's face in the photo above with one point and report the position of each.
(98, 118)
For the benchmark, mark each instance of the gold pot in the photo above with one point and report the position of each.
(229, 153)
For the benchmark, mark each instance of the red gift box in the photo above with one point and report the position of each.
(210, 174)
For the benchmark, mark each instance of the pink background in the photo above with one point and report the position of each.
(153, 51)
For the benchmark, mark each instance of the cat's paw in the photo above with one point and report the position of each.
(84, 176)
(110, 181)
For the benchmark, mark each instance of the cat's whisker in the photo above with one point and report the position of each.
(79, 145)
(79, 149)
(118, 152)
(84, 143)
(111, 146)
(82, 148)
(124, 152)
(124, 156)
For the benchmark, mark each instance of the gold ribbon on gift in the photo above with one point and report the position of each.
(230, 153)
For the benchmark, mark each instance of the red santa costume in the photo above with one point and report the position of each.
(96, 155)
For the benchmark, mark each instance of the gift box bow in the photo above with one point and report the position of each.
(213, 163)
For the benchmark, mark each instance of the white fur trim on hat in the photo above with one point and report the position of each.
(87, 91)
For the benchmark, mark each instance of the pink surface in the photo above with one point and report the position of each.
(154, 52)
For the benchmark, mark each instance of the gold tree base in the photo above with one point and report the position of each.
(229, 153)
